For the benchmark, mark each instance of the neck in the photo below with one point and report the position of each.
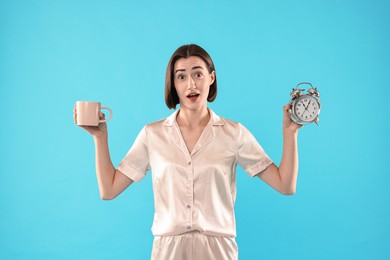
(193, 118)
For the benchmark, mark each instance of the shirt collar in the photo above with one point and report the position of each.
(214, 119)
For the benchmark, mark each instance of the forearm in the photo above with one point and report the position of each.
(105, 170)
(288, 168)
(284, 177)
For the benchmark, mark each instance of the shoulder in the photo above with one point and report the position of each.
(235, 129)
(217, 120)
(222, 121)
(168, 121)
(157, 123)
(230, 123)
(230, 127)
(160, 124)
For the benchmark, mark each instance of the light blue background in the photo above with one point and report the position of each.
(53, 53)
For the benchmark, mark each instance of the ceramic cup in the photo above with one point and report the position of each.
(88, 113)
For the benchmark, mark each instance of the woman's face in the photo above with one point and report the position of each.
(192, 82)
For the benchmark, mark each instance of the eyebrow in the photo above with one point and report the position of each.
(193, 68)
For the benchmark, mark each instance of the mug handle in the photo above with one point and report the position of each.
(105, 120)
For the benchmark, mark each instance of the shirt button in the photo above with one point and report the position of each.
(188, 206)
(189, 163)
(188, 227)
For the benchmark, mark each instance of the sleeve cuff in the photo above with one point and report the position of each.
(131, 172)
(259, 167)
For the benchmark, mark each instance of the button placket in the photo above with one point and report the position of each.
(190, 190)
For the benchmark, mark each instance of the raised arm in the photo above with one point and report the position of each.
(111, 181)
(284, 178)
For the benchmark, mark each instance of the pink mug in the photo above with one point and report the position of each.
(88, 113)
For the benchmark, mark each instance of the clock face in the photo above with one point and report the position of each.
(306, 108)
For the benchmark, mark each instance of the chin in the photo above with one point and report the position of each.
(192, 106)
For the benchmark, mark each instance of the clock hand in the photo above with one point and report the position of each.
(308, 105)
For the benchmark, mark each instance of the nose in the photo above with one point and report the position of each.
(191, 83)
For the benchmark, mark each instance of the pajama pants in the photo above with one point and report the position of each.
(194, 246)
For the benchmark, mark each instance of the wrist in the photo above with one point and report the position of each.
(290, 135)
(102, 136)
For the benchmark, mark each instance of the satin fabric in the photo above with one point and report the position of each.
(197, 190)
(194, 246)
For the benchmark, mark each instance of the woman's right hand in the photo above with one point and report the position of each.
(95, 131)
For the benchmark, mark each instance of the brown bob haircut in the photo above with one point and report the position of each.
(185, 51)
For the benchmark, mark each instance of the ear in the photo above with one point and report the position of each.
(212, 75)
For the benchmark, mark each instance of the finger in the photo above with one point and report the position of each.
(102, 115)
(297, 126)
(287, 107)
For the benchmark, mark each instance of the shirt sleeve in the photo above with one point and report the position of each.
(250, 155)
(135, 164)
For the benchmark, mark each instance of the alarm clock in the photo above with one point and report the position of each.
(305, 107)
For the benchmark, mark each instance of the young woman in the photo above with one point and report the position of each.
(192, 156)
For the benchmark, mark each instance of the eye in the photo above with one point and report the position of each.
(198, 75)
(180, 76)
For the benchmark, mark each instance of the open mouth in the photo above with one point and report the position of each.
(192, 96)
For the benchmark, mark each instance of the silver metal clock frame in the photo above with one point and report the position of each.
(297, 95)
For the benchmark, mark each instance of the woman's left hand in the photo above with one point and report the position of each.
(289, 126)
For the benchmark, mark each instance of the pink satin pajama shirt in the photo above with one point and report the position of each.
(197, 191)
